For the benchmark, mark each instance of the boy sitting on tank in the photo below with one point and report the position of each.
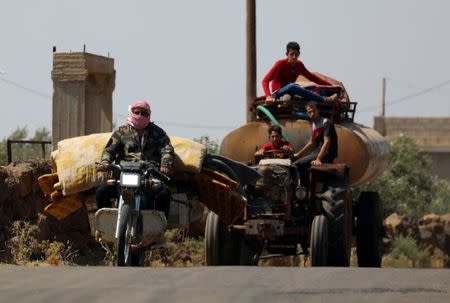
(283, 74)
(322, 147)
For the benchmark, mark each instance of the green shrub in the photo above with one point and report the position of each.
(406, 186)
(407, 247)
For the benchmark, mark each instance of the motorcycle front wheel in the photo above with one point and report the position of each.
(124, 238)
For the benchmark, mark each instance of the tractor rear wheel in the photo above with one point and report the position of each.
(369, 230)
(338, 203)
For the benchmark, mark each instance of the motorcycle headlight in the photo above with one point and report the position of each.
(130, 179)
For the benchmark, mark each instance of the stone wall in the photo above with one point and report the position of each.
(20, 195)
(21, 199)
(431, 231)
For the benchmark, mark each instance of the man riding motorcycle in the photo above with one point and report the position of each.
(142, 141)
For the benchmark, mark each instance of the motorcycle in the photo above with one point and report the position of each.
(134, 225)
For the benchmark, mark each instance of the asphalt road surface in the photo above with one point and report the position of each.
(222, 284)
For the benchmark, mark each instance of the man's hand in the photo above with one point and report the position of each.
(102, 167)
(165, 170)
(259, 152)
(316, 162)
(286, 148)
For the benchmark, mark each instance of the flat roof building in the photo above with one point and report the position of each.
(432, 135)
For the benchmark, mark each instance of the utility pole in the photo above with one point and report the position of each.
(251, 57)
(383, 107)
(383, 99)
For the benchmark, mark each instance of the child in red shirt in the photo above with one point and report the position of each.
(283, 75)
(276, 142)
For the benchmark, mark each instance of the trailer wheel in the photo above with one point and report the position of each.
(221, 245)
(369, 230)
(212, 239)
(319, 241)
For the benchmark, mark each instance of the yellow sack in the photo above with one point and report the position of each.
(64, 206)
(46, 183)
(189, 154)
(75, 162)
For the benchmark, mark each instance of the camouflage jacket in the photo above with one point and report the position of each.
(126, 144)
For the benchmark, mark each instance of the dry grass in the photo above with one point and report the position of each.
(180, 251)
(437, 259)
(24, 248)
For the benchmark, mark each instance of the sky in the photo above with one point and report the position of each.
(187, 58)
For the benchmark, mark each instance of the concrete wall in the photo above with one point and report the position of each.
(83, 84)
(440, 163)
(431, 134)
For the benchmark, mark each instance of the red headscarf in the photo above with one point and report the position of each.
(138, 121)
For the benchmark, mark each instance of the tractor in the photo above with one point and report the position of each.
(282, 218)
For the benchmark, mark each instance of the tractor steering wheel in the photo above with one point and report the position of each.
(277, 154)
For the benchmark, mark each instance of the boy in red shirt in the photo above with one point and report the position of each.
(284, 74)
(276, 142)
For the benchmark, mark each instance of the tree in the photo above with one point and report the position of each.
(440, 204)
(25, 151)
(211, 145)
(406, 186)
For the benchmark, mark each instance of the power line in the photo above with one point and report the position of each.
(196, 125)
(399, 100)
(30, 90)
(189, 125)
(410, 85)
(177, 124)
(422, 92)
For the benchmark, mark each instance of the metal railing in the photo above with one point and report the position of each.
(10, 142)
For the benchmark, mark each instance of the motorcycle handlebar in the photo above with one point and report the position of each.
(164, 177)
(118, 168)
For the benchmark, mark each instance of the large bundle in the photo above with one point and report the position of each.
(76, 158)
(75, 161)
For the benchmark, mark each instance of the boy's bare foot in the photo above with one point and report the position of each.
(285, 98)
(331, 98)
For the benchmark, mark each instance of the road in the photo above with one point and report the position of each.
(222, 284)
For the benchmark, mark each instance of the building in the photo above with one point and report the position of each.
(431, 134)
(83, 85)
